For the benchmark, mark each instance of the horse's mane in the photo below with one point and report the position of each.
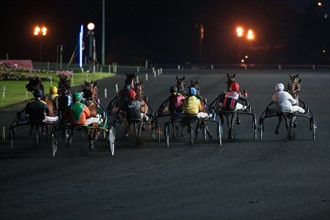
(34, 84)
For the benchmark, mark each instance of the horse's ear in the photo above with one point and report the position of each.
(290, 75)
(196, 81)
(228, 75)
(141, 82)
(234, 75)
(95, 83)
(177, 78)
(183, 77)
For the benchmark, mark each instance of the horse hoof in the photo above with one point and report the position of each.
(295, 124)
(277, 132)
(238, 122)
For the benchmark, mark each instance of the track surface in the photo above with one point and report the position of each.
(244, 179)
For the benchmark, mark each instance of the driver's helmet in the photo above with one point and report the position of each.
(279, 87)
(192, 91)
(234, 86)
(173, 89)
(53, 90)
(37, 93)
(131, 94)
(76, 96)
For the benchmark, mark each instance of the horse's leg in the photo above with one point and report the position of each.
(198, 127)
(294, 119)
(233, 117)
(238, 121)
(207, 129)
(128, 126)
(278, 124)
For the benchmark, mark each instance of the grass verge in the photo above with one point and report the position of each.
(14, 91)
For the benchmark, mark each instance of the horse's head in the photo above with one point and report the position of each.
(35, 84)
(181, 84)
(138, 88)
(230, 80)
(130, 79)
(294, 85)
(195, 85)
(90, 90)
(64, 87)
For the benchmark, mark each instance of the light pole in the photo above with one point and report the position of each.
(200, 28)
(239, 34)
(40, 32)
(90, 34)
(250, 36)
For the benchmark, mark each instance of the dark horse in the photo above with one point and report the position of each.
(35, 84)
(234, 116)
(64, 95)
(200, 124)
(181, 85)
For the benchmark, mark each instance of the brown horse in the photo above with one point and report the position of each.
(90, 91)
(138, 88)
(122, 94)
(294, 86)
(294, 89)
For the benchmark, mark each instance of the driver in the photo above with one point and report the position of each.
(37, 109)
(284, 101)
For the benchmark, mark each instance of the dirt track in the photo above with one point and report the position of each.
(243, 179)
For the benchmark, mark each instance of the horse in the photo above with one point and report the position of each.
(181, 84)
(64, 95)
(34, 84)
(293, 88)
(90, 91)
(138, 88)
(121, 96)
(230, 80)
(200, 125)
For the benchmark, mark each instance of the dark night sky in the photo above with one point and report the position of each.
(163, 31)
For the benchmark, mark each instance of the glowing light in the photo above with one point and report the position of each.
(246, 56)
(250, 35)
(38, 30)
(324, 51)
(202, 32)
(44, 31)
(319, 4)
(90, 26)
(239, 31)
